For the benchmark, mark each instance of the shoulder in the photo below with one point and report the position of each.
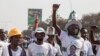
(56, 45)
(19, 48)
(81, 39)
(63, 34)
(46, 44)
(31, 45)
(2, 43)
(88, 42)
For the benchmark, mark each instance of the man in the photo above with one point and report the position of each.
(33, 38)
(95, 43)
(92, 32)
(2, 39)
(2, 35)
(71, 35)
(52, 40)
(87, 51)
(40, 48)
(13, 49)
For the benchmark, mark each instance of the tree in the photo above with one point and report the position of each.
(91, 20)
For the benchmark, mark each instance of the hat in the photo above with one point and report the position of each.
(50, 30)
(73, 22)
(39, 30)
(14, 31)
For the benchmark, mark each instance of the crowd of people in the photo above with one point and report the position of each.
(75, 40)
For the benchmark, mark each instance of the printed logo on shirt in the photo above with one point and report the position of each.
(72, 50)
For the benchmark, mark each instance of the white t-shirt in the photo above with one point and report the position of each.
(56, 50)
(98, 53)
(76, 42)
(17, 53)
(40, 50)
(87, 50)
(67, 41)
(14, 53)
(2, 44)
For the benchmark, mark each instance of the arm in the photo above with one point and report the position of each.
(36, 21)
(55, 7)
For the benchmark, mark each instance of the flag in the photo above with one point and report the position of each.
(72, 15)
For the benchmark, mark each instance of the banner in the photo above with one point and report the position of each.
(32, 16)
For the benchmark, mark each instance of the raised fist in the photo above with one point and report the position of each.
(55, 7)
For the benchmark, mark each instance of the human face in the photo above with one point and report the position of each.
(84, 33)
(73, 49)
(51, 38)
(2, 35)
(40, 35)
(15, 40)
(73, 29)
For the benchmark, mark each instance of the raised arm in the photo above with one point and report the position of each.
(36, 21)
(55, 8)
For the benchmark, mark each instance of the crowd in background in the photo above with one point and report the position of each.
(74, 40)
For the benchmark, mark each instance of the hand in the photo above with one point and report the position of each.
(55, 7)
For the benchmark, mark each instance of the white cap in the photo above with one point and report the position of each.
(73, 22)
(39, 30)
(50, 30)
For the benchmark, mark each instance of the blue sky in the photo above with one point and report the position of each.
(14, 13)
